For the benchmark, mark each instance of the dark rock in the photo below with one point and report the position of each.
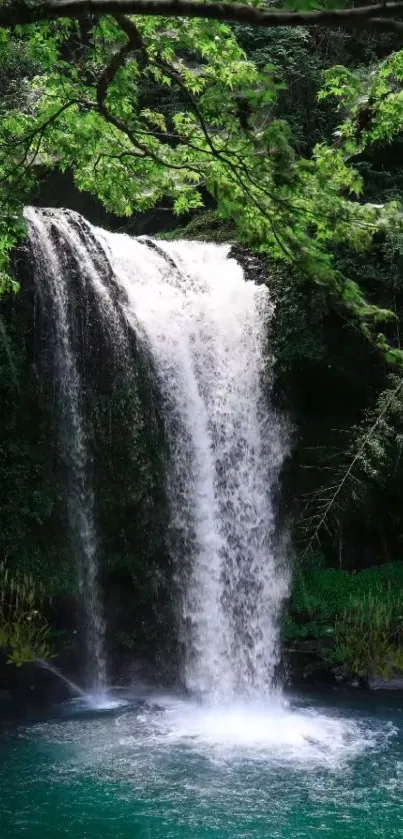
(394, 682)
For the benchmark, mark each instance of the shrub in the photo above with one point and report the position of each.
(369, 634)
(23, 631)
(362, 613)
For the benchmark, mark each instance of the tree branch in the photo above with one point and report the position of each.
(379, 16)
(134, 44)
(144, 150)
(110, 71)
(134, 37)
(329, 503)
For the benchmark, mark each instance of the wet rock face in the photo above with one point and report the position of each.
(305, 667)
(394, 682)
(255, 267)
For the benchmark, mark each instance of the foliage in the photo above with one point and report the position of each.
(223, 138)
(372, 101)
(357, 618)
(24, 633)
(369, 634)
(19, 64)
(321, 596)
(206, 226)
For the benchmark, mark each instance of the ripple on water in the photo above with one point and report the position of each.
(175, 769)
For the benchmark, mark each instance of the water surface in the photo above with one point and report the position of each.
(172, 769)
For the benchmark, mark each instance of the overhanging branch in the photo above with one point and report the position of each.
(133, 45)
(379, 16)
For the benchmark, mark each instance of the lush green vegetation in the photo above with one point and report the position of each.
(283, 140)
(356, 617)
(24, 634)
(149, 108)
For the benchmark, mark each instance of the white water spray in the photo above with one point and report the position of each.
(207, 331)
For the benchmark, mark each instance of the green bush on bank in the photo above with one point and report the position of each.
(321, 594)
(24, 633)
(369, 634)
(361, 613)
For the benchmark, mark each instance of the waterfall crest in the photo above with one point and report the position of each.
(206, 329)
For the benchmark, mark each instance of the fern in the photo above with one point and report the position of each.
(24, 633)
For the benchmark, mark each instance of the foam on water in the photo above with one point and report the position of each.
(149, 734)
(94, 703)
(271, 732)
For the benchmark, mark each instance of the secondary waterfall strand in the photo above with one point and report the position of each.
(53, 239)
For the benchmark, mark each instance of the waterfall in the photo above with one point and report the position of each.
(57, 246)
(206, 328)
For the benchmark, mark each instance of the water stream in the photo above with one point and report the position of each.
(74, 688)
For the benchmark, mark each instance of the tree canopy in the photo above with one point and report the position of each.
(142, 107)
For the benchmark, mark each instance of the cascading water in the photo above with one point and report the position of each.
(52, 240)
(206, 329)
